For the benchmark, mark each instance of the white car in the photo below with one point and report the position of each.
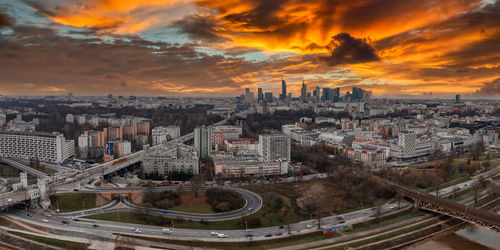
(166, 231)
(309, 226)
(221, 235)
(214, 233)
(9, 200)
(45, 220)
(249, 230)
(137, 231)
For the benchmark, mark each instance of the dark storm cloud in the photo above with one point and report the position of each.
(346, 49)
(199, 28)
(5, 21)
(490, 88)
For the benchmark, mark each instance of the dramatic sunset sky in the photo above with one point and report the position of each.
(220, 47)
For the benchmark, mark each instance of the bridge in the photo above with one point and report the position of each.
(447, 207)
(24, 168)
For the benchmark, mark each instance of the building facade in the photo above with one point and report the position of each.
(203, 141)
(163, 134)
(274, 147)
(171, 158)
(48, 147)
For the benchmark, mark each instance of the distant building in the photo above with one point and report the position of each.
(116, 149)
(84, 143)
(249, 167)
(260, 95)
(230, 132)
(203, 141)
(269, 97)
(69, 118)
(303, 91)
(171, 158)
(274, 147)
(457, 99)
(217, 138)
(163, 134)
(49, 147)
(283, 90)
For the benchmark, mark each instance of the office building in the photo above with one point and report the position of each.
(48, 147)
(274, 147)
(163, 134)
(303, 91)
(326, 94)
(203, 141)
(283, 90)
(457, 99)
(268, 97)
(336, 94)
(171, 158)
(260, 95)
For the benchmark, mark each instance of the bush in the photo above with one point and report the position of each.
(223, 200)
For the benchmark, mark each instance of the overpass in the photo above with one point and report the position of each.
(24, 168)
(447, 207)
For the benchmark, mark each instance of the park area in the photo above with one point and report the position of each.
(71, 202)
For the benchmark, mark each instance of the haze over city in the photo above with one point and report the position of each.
(218, 48)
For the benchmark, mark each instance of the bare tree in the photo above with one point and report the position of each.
(314, 201)
(196, 183)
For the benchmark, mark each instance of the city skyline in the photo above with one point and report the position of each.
(213, 48)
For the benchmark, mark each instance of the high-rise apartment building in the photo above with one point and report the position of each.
(49, 147)
(203, 141)
(274, 147)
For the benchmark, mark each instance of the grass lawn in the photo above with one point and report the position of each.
(385, 236)
(192, 204)
(399, 218)
(73, 201)
(53, 242)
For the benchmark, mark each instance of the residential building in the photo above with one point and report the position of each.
(230, 132)
(48, 147)
(203, 141)
(171, 158)
(273, 147)
(163, 134)
(249, 166)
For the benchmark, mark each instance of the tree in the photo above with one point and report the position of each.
(314, 201)
(196, 183)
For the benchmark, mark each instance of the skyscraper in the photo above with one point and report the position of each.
(317, 93)
(457, 98)
(326, 94)
(203, 141)
(260, 96)
(303, 91)
(269, 97)
(283, 90)
(336, 94)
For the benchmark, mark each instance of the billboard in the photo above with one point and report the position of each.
(109, 148)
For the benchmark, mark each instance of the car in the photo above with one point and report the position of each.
(9, 200)
(278, 233)
(164, 211)
(268, 235)
(95, 225)
(340, 217)
(341, 221)
(29, 215)
(364, 212)
(64, 222)
(281, 227)
(76, 219)
(309, 226)
(166, 231)
(137, 231)
(221, 235)
(248, 235)
(249, 230)
(249, 209)
(214, 233)
(45, 220)
(75, 189)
